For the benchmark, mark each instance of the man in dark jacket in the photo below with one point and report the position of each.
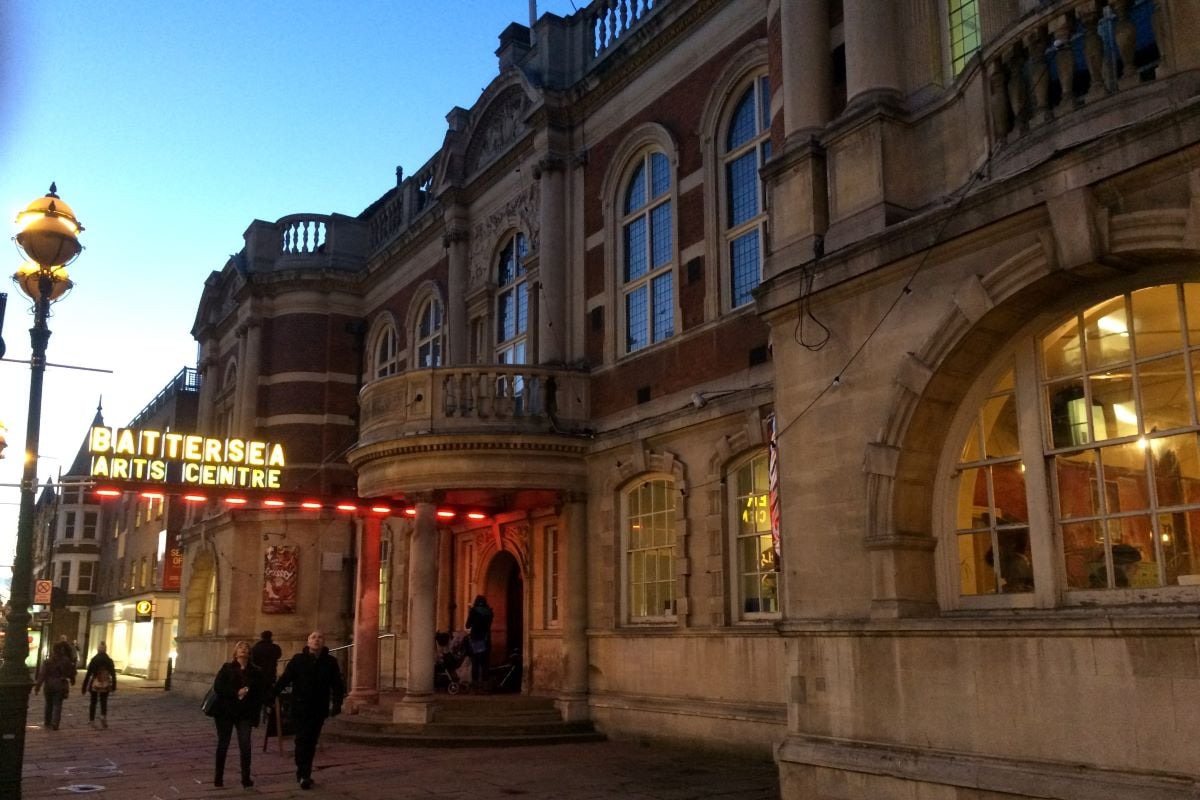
(265, 655)
(317, 692)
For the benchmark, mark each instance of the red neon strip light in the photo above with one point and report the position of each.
(410, 512)
(236, 501)
(346, 507)
(446, 514)
(194, 498)
(382, 509)
(273, 503)
(109, 492)
(152, 495)
(311, 505)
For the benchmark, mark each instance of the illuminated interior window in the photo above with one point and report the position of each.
(756, 565)
(964, 32)
(648, 528)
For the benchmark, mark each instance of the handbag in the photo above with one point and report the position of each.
(101, 682)
(209, 704)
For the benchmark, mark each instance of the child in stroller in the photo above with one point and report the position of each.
(450, 653)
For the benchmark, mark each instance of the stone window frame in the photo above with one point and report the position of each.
(427, 293)
(384, 330)
(672, 490)
(628, 156)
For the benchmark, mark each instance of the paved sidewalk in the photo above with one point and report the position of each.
(160, 747)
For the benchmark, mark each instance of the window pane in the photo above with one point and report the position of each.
(635, 194)
(742, 188)
(522, 308)
(660, 175)
(744, 274)
(1124, 466)
(1156, 323)
(664, 308)
(976, 576)
(1176, 462)
(1060, 351)
(1106, 330)
(1080, 542)
(1114, 413)
(1163, 385)
(506, 323)
(635, 249)
(1008, 491)
(764, 102)
(1078, 495)
(974, 507)
(1068, 414)
(660, 235)
(1191, 301)
(1015, 565)
(741, 125)
(1000, 427)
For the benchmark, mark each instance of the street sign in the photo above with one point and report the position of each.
(41, 617)
(41, 592)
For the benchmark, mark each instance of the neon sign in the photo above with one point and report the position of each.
(132, 454)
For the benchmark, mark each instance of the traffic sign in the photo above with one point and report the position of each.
(41, 592)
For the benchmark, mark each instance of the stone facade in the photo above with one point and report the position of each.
(908, 284)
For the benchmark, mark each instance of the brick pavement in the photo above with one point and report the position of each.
(160, 747)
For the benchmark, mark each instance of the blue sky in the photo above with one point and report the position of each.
(169, 127)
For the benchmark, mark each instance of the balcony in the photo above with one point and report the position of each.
(1070, 55)
(488, 427)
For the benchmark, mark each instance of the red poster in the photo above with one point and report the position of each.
(281, 573)
(172, 569)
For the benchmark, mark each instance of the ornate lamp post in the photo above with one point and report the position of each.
(48, 236)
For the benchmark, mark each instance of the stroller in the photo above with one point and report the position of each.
(449, 654)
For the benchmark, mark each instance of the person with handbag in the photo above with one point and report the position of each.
(240, 690)
(56, 675)
(99, 680)
(479, 641)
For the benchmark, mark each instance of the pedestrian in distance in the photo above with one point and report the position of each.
(56, 676)
(479, 640)
(317, 692)
(241, 690)
(99, 681)
(265, 655)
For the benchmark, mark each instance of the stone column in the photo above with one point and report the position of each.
(445, 613)
(209, 376)
(455, 346)
(251, 363)
(872, 68)
(365, 653)
(807, 66)
(572, 701)
(552, 262)
(417, 704)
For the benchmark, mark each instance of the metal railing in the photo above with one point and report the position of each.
(342, 654)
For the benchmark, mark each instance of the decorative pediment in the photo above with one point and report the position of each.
(500, 126)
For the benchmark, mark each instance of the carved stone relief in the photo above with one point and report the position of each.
(520, 212)
(500, 126)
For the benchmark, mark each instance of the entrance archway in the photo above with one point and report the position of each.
(505, 591)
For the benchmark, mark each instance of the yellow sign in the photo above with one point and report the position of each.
(143, 610)
(133, 454)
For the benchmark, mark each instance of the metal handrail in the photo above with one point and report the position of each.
(348, 646)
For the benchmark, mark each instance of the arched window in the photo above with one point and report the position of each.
(512, 302)
(428, 335)
(755, 566)
(648, 532)
(648, 254)
(1077, 472)
(747, 148)
(385, 352)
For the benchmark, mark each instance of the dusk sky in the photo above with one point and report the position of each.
(169, 127)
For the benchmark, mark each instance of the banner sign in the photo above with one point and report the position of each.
(134, 454)
(773, 489)
(281, 576)
(172, 568)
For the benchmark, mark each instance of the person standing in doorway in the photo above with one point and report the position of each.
(100, 680)
(479, 639)
(56, 674)
(317, 692)
(241, 690)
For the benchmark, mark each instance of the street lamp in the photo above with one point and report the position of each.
(48, 237)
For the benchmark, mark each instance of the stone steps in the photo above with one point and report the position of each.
(466, 721)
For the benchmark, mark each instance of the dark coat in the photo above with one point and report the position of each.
(479, 622)
(57, 673)
(316, 681)
(231, 678)
(265, 655)
(100, 664)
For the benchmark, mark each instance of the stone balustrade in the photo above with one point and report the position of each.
(302, 234)
(610, 20)
(414, 196)
(1069, 54)
(484, 399)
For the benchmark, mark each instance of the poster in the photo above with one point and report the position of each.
(281, 574)
(172, 568)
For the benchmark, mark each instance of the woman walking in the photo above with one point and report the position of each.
(241, 691)
(57, 673)
(99, 680)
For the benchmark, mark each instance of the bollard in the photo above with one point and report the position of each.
(167, 682)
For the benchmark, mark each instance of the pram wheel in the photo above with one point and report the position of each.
(454, 688)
